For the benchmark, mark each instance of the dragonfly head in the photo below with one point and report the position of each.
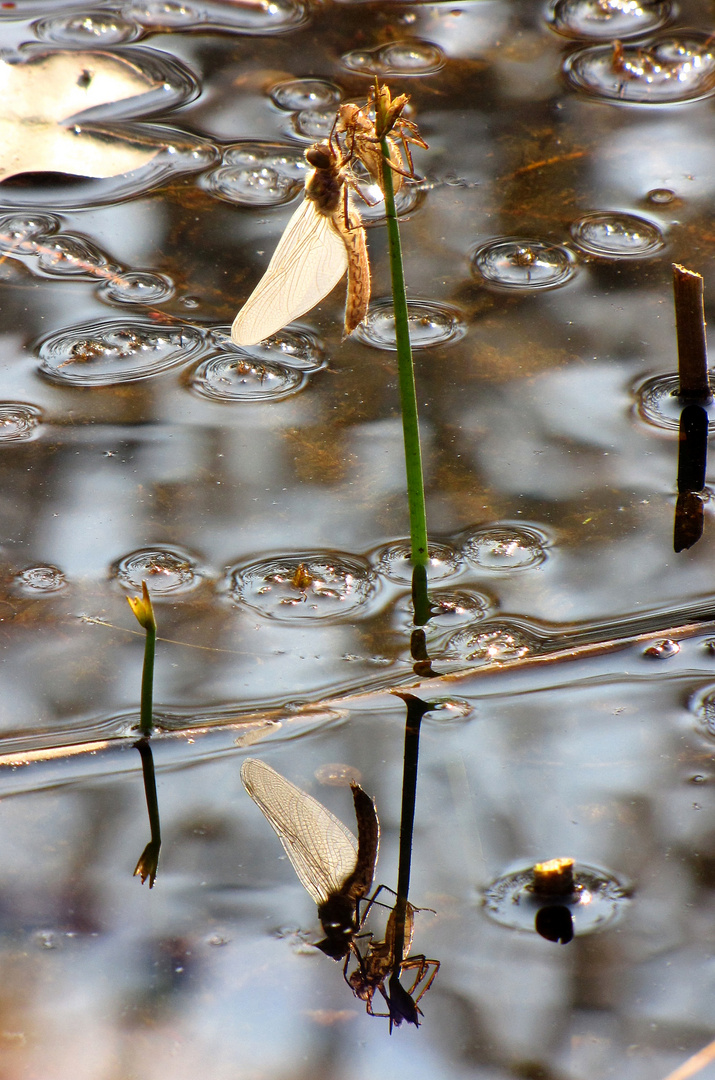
(338, 916)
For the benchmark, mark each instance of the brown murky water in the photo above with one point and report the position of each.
(261, 495)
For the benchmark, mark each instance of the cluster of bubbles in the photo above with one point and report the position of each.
(311, 104)
(116, 351)
(35, 241)
(404, 58)
(258, 174)
(132, 21)
(273, 369)
(527, 264)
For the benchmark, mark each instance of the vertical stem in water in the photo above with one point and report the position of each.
(144, 612)
(406, 375)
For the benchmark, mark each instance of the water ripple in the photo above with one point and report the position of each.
(36, 580)
(325, 586)
(88, 28)
(167, 571)
(504, 548)
(136, 287)
(668, 71)
(394, 561)
(430, 324)
(240, 17)
(18, 422)
(514, 263)
(116, 351)
(236, 376)
(607, 19)
(613, 235)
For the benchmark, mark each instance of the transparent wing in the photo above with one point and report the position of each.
(322, 850)
(307, 264)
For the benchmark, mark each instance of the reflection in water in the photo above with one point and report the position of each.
(692, 466)
(149, 858)
(334, 868)
(379, 961)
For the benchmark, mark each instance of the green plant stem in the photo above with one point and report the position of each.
(146, 722)
(406, 374)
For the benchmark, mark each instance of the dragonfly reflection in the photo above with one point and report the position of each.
(335, 868)
(378, 964)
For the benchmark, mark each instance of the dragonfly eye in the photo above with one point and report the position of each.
(319, 156)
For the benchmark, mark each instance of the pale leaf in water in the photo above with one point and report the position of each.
(42, 94)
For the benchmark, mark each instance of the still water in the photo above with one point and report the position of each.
(152, 155)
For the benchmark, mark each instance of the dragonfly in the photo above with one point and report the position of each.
(378, 964)
(323, 239)
(335, 868)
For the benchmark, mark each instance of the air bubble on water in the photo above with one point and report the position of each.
(137, 287)
(430, 324)
(297, 95)
(36, 580)
(449, 710)
(299, 349)
(167, 571)
(314, 124)
(514, 263)
(492, 642)
(316, 585)
(240, 16)
(598, 899)
(448, 609)
(88, 28)
(607, 19)
(394, 561)
(505, 548)
(18, 422)
(237, 376)
(409, 57)
(661, 196)
(667, 71)
(64, 255)
(657, 402)
(613, 235)
(258, 174)
(116, 351)
(18, 232)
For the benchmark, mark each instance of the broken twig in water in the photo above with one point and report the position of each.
(690, 327)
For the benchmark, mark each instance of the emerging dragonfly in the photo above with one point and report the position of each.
(322, 240)
(335, 868)
(379, 962)
(325, 238)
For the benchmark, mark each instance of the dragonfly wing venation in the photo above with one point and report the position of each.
(322, 850)
(307, 264)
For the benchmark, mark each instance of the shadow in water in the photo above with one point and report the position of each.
(692, 466)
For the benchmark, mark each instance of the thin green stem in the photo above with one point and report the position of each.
(146, 721)
(406, 374)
